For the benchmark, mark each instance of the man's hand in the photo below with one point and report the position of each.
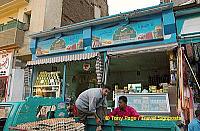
(98, 120)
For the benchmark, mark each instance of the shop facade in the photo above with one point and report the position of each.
(135, 53)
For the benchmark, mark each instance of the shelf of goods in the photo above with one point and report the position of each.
(47, 84)
(56, 124)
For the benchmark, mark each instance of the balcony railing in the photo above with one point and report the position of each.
(11, 34)
(12, 24)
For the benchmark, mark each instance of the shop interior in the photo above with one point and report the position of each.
(145, 70)
(80, 75)
(135, 75)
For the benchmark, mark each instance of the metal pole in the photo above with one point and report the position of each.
(64, 82)
(31, 81)
(192, 71)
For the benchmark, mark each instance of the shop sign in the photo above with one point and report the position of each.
(133, 32)
(5, 63)
(86, 67)
(63, 44)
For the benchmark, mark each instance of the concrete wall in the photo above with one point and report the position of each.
(101, 4)
(79, 10)
(103, 7)
(53, 14)
(37, 15)
(76, 11)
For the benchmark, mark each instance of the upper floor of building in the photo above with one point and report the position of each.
(19, 18)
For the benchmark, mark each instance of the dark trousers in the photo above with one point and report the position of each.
(101, 113)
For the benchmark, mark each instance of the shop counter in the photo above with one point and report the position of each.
(126, 125)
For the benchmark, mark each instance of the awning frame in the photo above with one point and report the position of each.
(61, 59)
(139, 50)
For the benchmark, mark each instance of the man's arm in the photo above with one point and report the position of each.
(113, 113)
(134, 113)
(92, 106)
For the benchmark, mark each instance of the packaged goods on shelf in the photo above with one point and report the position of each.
(47, 84)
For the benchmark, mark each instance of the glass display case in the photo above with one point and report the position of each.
(147, 103)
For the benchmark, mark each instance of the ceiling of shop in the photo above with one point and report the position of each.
(146, 61)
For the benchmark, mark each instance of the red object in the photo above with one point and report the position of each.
(129, 111)
(75, 110)
(149, 36)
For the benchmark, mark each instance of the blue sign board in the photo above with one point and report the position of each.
(62, 44)
(132, 32)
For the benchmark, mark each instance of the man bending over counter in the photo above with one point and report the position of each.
(92, 102)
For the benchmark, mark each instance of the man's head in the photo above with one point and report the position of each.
(122, 102)
(197, 113)
(105, 90)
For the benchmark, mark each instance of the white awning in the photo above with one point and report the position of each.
(66, 58)
(159, 48)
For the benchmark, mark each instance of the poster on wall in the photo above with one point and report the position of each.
(63, 44)
(133, 32)
(5, 64)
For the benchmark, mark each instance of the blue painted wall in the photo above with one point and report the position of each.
(165, 20)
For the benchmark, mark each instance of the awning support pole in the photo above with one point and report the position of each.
(105, 68)
(31, 81)
(192, 71)
(64, 82)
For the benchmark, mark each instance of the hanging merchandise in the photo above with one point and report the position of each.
(106, 66)
(99, 70)
(196, 48)
(186, 95)
(180, 72)
(189, 51)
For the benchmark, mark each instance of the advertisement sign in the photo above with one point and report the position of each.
(133, 32)
(66, 43)
(5, 63)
